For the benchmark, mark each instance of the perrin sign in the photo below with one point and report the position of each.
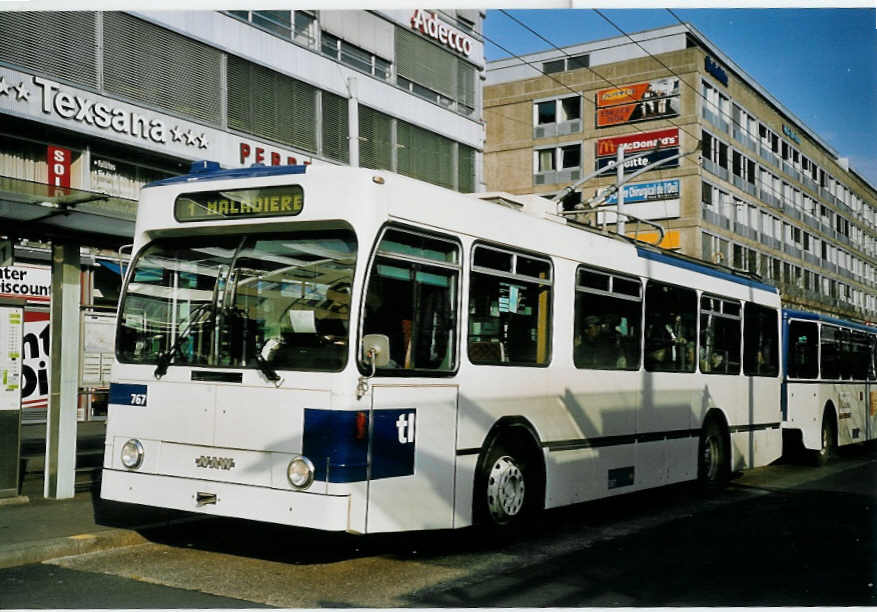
(280, 201)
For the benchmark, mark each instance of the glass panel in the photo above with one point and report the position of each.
(490, 258)
(553, 66)
(606, 332)
(508, 321)
(415, 245)
(572, 108)
(760, 341)
(671, 326)
(719, 343)
(537, 268)
(546, 112)
(830, 360)
(414, 305)
(278, 22)
(233, 301)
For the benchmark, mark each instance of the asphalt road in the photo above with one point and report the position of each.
(782, 535)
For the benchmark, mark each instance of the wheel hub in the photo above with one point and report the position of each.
(505, 489)
(710, 457)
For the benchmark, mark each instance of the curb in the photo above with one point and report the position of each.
(26, 553)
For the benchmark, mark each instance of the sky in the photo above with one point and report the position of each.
(820, 63)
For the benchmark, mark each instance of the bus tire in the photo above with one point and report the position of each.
(508, 485)
(828, 439)
(713, 456)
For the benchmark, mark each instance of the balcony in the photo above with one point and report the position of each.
(714, 168)
(713, 217)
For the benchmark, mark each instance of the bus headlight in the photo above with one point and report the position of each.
(132, 454)
(300, 472)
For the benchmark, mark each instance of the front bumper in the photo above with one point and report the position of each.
(296, 508)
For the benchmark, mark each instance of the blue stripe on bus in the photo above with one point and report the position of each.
(229, 173)
(330, 440)
(703, 269)
(789, 313)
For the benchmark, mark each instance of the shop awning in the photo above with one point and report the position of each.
(29, 207)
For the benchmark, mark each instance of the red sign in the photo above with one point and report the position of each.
(638, 102)
(637, 143)
(59, 167)
(427, 23)
(251, 154)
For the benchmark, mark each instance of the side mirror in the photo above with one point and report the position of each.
(376, 349)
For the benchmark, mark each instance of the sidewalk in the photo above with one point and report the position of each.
(34, 529)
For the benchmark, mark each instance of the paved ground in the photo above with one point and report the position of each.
(781, 535)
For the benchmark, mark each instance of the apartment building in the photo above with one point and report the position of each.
(754, 189)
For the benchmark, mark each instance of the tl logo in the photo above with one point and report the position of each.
(405, 428)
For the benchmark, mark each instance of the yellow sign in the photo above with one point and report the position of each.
(671, 239)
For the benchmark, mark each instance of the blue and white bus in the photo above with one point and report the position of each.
(830, 387)
(353, 350)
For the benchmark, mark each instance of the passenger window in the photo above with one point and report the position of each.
(803, 350)
(412, 299)
(760, 341)
(608, 311)
(719, 336)
(855, 358)
(509, 308)
(671, 326)
(830, 344)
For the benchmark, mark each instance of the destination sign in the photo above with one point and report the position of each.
(280, 201)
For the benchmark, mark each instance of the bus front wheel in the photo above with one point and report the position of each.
(508, 486)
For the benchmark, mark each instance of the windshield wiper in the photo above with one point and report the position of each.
(164, 358)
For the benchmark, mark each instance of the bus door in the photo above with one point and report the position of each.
(412, 454)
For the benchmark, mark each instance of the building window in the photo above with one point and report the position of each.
(434, 74)
(355, 57)
(557, 164)
(572, 62)
(557, 117)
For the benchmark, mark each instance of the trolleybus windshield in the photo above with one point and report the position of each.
(275, 300)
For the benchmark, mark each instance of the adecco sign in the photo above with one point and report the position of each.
(427, 23)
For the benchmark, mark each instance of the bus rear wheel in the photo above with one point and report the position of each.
(713, 460)
(829, 441)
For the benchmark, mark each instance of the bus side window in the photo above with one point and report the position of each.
(608, 311)
(509, 308)
(670, 329)
(719, 336)
(412, 299)
(760, 341)
(803, 350)
(830, 343)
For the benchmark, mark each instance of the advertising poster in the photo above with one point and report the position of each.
(35, 366)
(10, 357)
(638, 102)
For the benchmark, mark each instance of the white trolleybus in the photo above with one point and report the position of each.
(352, 350)
(830, 386)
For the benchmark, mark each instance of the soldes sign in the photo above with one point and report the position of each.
(427, 23)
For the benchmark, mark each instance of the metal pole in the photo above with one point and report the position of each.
(619, 167)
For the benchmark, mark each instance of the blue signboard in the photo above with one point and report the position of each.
(647, 192)
(632, 165)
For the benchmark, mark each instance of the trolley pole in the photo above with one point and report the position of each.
(619, 168)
